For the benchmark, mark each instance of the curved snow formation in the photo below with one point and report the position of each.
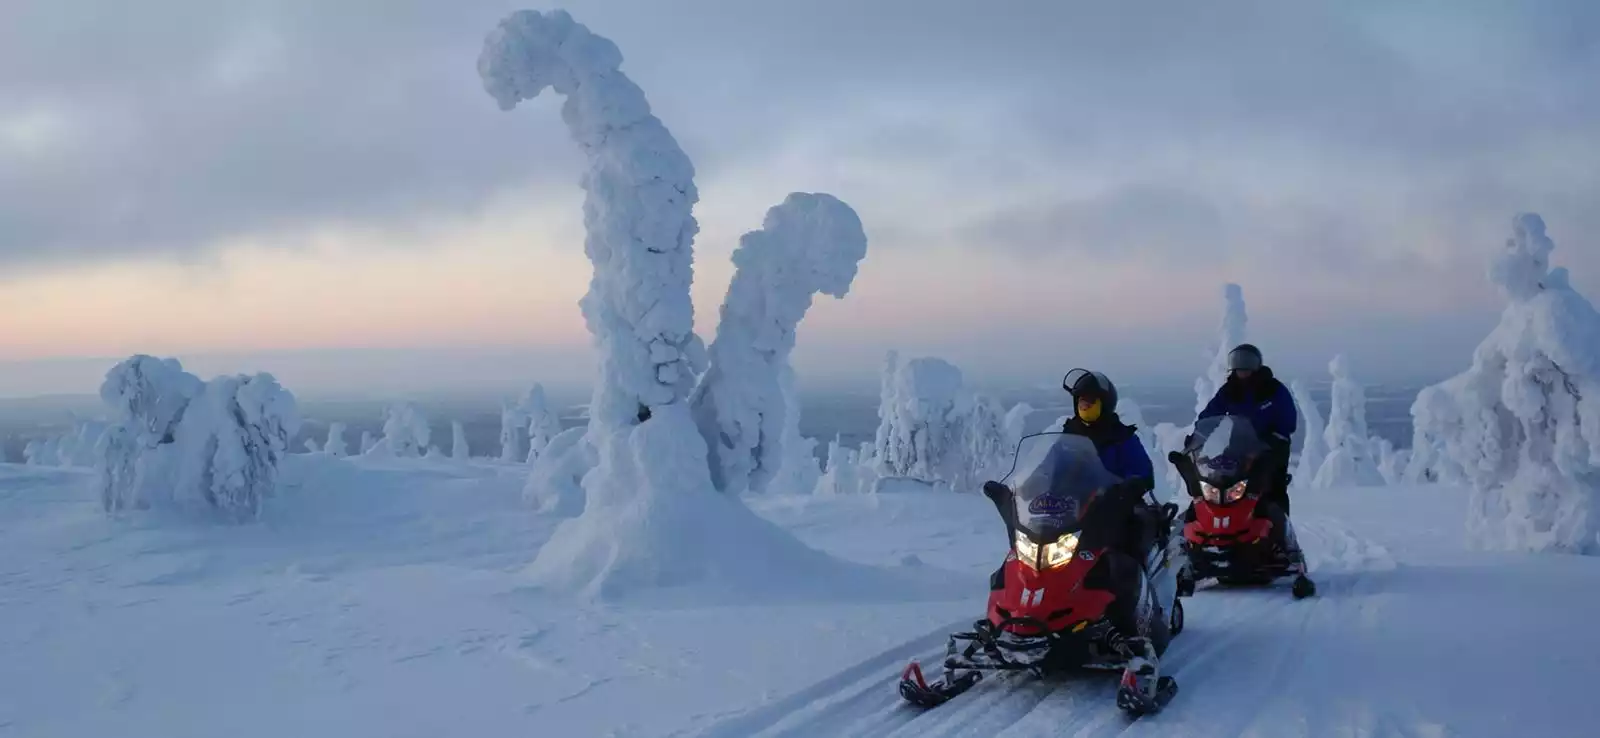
(808, 244)
(640, 190)
(1523, 422)
(651, 517)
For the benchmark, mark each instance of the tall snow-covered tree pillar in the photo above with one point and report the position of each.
(651, 516)
(809, 243)
(639, 192)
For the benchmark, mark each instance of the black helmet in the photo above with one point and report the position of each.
(1244, 356)
(1084, 383)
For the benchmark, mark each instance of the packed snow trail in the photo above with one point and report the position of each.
(1385, 649)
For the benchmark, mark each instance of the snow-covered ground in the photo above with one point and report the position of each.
(386, 598)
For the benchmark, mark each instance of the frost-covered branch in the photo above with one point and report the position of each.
(809, 243)
(640, 190)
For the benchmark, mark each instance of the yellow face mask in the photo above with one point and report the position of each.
(1089, 410)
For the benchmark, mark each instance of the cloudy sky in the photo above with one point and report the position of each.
(324, 190)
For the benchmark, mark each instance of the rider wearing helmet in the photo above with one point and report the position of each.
(1145, 527)
(1095, 399)
(1252, 392)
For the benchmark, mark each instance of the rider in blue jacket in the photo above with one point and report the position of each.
(1252, 392)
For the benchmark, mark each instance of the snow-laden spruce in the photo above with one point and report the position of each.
(651, 515)
(1523, 422)
(335, 445)
(1351, 461)
(458, 442)
(233, 438)
(76, 448)
(176, 440)
(1313, 443)
(808, 244)
(543, 422)
(1230, 333)
(405, 433)
(932, 428)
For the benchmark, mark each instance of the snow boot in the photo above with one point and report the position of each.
(1303, 586)
(1143, 690)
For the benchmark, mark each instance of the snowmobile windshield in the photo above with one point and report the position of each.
(1224, 446)
(1056, 477)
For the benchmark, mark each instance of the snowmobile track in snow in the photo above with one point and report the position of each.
(1243, 648)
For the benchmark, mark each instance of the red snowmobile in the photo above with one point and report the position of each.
(1233, 534)
(1069, 595)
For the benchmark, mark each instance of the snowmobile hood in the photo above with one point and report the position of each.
(1223, 448)
(1056, 477)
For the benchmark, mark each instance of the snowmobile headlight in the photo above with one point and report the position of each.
(1027, 551)
(1060, 551)
(1212, 494)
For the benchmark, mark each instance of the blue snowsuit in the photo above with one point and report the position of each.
(1119, 447)
(1264, 400)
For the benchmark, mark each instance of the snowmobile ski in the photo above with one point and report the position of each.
(917, 691)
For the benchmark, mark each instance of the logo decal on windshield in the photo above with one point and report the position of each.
(1052, 506)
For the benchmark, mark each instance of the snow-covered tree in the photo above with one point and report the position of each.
(808, 244)
(232, 439)
(148, 397)
(1429, 460)
(368, 442)
(1230, 333)
(75, 448)
(458, 441)
(176, 439)
(1523, 422)
(543, 422)
(845, 472)
(1350, 460)
(40, 452)
(335, 445)
(651, 514)
(1313, 443)
(513, 433)
(405, 432)
(934, 429)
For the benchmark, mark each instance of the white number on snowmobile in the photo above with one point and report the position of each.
(1037, 596)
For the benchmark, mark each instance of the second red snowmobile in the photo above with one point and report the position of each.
(1071, 593)
(1234, 535)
